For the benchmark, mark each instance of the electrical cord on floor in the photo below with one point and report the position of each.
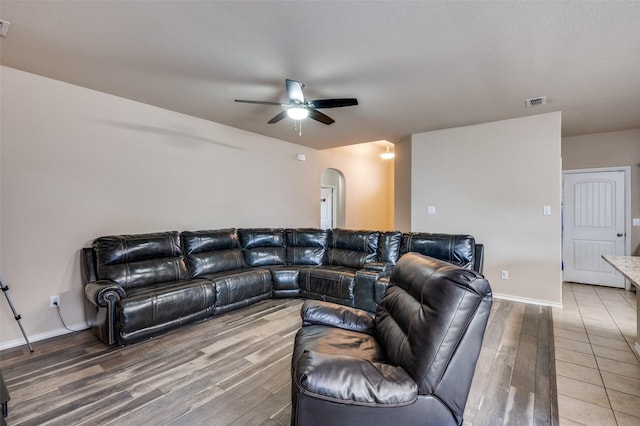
(60, 315)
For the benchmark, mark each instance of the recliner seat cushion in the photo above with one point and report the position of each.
(145, 311)
(240, 287)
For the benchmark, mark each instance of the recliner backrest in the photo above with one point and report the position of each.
(389, 246)
(458, 249)
(213, 251)
(353, 249)
(139, 260)
(307, 246)
(431, 322)
(263, 246)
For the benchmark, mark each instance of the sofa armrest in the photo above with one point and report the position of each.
(364, 295)
(100, 303)
(478, 258)
(330, 314)
(104, 293)
(349, 380)
(380, 267)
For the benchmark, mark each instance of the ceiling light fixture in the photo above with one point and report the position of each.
(387, 155)
(298, 113)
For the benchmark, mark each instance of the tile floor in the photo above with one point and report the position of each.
(597, 372)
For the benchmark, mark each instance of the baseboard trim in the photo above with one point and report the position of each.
(83, 326)
(527, 300)
(43, 336)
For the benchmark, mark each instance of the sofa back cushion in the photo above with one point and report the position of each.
(263, 246)
(389, 247)
(139, 260)
(208, 252)
(307, 246)
(353, 249)
(431, 322)
(457, 249)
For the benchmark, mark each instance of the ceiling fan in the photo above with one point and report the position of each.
(299, 109)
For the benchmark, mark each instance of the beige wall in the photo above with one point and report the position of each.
(77, 164)
(492, 180)
(402, 187)
(611, 149)
(372, 178)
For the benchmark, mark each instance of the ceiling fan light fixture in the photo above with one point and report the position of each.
(298, 113)
(387, 155)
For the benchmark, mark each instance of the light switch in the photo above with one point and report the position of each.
(431, 210)
(546, 210)
(636, 221)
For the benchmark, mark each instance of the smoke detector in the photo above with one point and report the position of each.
(531, 102)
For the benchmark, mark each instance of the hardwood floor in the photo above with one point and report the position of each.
(235, 370)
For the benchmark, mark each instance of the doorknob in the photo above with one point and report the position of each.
(619, 235)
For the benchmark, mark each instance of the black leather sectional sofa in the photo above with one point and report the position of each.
(140, 286)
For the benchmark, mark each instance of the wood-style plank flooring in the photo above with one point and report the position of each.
(235, 370)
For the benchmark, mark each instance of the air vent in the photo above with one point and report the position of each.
(531, 102)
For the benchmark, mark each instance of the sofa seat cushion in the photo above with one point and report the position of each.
(285, 280)
(147, 310)
(332, 283)
(240, 287)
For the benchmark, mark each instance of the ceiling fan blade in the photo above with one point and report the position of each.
(278, 117)
(333, 103)
(318, 116)
(261, 102)
(294, 90)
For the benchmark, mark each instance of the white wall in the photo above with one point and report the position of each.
(76, 164)
(491, 181)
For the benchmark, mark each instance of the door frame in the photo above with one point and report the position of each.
(334, 200)
(627, 203)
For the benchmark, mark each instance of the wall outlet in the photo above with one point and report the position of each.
(505, 275)
(53, 300)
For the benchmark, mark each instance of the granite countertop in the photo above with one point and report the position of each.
(629, 266)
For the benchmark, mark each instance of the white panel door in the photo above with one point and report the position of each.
(593, 223)
(326, 208)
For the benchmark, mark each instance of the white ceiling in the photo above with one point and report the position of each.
(414, 66)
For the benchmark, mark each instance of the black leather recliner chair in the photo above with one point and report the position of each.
(411, 364)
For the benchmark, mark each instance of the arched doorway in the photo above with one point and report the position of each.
(332, 199)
